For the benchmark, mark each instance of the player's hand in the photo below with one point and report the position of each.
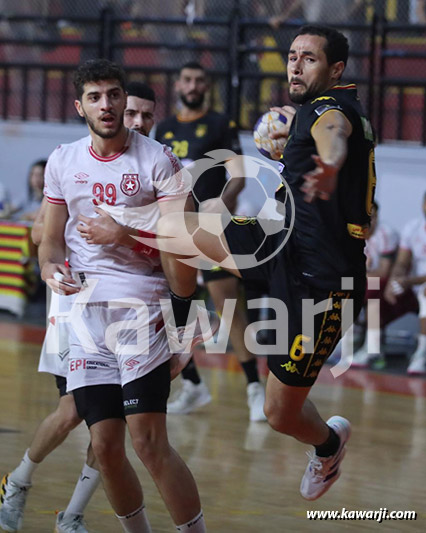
(288, 112)
(320, 182)
(99, 230)
(52, 270)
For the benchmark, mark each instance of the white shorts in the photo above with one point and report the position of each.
(55, 349)
(114, 343)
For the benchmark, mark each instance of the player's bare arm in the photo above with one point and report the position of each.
(37, 229)
(330, 133)
(51, 253)
(103, 229)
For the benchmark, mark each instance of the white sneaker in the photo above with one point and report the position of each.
(322, 472)
(189, 398)
(183, 340)
(417, 363)
(71, 523)
(256, 401)
(361, 358)
(12, 504)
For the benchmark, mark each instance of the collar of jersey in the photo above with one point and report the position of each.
(349, 86)
(114, 156)
(201, 115)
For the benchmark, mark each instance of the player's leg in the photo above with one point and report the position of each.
(293, 373)
(220, 291)
(145, 400)
(49, 435)
(102, 408)
(418, 359)
(86, 485)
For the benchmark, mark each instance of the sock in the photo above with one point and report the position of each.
(250, 370)
(190, 372)
(24, 472)
(181, 306)
(196, 525)
(421, 343)
(330, 446)
(136, 522)
(86, 485)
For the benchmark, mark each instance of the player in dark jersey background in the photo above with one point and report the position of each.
(192, 133)
(329, 167)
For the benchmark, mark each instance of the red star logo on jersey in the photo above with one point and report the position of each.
(130, 184)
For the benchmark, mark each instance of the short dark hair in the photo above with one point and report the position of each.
(193, 65)
(95, 70)
(140, 90)
(337, 47)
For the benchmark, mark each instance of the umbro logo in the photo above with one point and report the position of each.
(81, 177)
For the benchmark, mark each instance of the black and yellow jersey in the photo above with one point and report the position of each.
(190, 140)
(328, 235)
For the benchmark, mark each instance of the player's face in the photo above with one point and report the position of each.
(102, 105)
(192, 87)
(308, 71)
(139, 114)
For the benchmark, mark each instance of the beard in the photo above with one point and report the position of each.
(193, 104)
(301, 98)
(104, 135)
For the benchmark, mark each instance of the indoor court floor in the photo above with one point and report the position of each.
(247, 474)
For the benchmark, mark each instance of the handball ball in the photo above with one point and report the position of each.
(270, 122)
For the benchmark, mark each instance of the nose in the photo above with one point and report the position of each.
(296, 66)
(106, 102)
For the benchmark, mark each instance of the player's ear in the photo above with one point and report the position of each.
(337, 70)
(77, 105)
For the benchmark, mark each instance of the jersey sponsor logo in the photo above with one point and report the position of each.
(169, 135)
(85, 364)
(243, 220)
(130, 184)
(321, 98)
(201, 130)
(357, 231)
(326, 107)
(131, 364)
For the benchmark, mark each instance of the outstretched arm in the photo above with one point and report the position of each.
(330, 133)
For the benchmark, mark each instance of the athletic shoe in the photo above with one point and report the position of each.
(322, 472)
(255, 401)
(71, 523)
(189, 398)
(12, 504)
(183, 340)
(417, 364)
(361, 358)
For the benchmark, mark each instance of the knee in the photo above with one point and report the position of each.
(150, 450)
(108, 453)
(68, 419)
(279, 418)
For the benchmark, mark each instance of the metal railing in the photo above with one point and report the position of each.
(243, 57)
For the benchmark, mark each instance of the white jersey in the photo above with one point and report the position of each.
(383, 242)
(413, 238)
(142, 173)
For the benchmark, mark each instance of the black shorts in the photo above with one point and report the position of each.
(300, 351)
(148, 394)
(61, 384)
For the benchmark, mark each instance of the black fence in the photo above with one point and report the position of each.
(245, 58)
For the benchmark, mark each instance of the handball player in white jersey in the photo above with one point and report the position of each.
(52, 431)
(107, 368)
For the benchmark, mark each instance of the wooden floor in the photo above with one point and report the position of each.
(247, 474)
